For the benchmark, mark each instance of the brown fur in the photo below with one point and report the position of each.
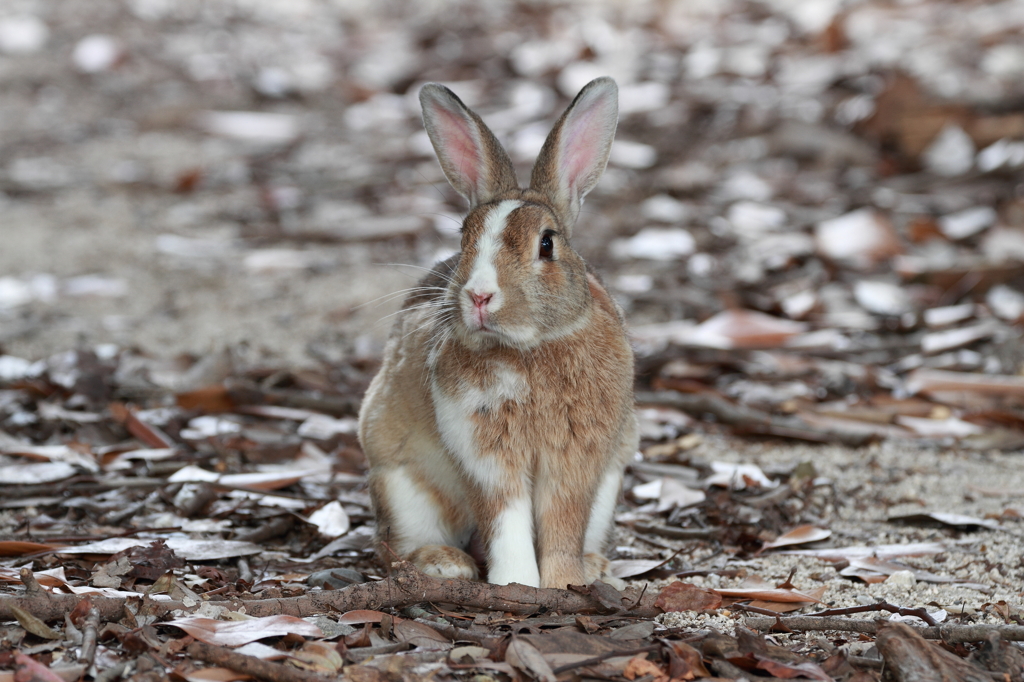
(462, 424)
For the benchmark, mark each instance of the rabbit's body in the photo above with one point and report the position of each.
(503, 409)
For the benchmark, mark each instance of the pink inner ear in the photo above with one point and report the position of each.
(460, 146)
(581, 145)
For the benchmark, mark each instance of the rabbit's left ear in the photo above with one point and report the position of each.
(576, 151)
(472, 159)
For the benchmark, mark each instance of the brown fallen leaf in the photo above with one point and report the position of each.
(945, 519)
(680, 596)
(360, 616)
(149, 434)
(210, 399)
(34, 625)
(53, 577)
(911, 657)
(743, 329)
(639, 666)
(685, 662)
(22, 547)
(630, 568)
(522, 655)
(421, 636)
(798, 536)
(27, 669)
(320, 657)
(214, 675)
(238, 632)
(881, 551)
(756, 588)
(786, 607)
(775, 660)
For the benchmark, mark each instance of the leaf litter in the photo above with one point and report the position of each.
(826, 300)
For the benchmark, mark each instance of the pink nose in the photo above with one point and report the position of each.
(480, 300)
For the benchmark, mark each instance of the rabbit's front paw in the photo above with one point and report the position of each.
(561, 570)
(597, 567)
(442, 561)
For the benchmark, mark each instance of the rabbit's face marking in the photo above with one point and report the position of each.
(482, 296)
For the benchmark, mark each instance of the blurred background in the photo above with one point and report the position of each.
(183, 177)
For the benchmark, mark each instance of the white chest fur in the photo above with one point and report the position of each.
(459, 411)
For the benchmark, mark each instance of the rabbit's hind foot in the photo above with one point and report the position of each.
(443, 561)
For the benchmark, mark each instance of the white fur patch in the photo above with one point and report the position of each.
(415, 519)
(511, 557)
(458, 430)
(483, 277)
(602, 510)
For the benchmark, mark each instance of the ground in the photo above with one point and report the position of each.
(813, 219)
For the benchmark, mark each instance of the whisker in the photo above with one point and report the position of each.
(386, 298)
(431, 270)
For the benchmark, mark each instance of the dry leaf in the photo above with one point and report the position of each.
(774, 594)
(680, 596)
(674, 494)
(330, 519)
(630, 568)
(22, 547)
(215, 675)
(731, 329)
(639, 666)
(798, 536)
(360, 616)
(421, 636)
(943, 518)
(186, 548)
(33, 624)
(929, 381)
(524, 656)
(239, 632)
(319, 657)
(881, 551)
(27, 669)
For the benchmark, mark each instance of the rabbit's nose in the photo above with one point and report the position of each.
(480, 300)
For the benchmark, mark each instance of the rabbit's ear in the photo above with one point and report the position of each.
(576, 152)
(471, 157)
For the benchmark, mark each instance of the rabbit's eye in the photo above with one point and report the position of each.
(547, 247)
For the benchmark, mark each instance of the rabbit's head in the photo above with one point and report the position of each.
(517, 281)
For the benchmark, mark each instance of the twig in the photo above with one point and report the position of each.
(250, 665)
(678, 533)
(456, 634)
(752, 420)
(92, 624)
(920, 611)
(408, 586)
(276, 526)
(363, 653)
(601, 657)
(948, 632)
(729, 671)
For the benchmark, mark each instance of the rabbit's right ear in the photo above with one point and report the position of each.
(576, 151)
(472, 159)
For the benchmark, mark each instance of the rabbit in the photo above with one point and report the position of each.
(502, 416)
